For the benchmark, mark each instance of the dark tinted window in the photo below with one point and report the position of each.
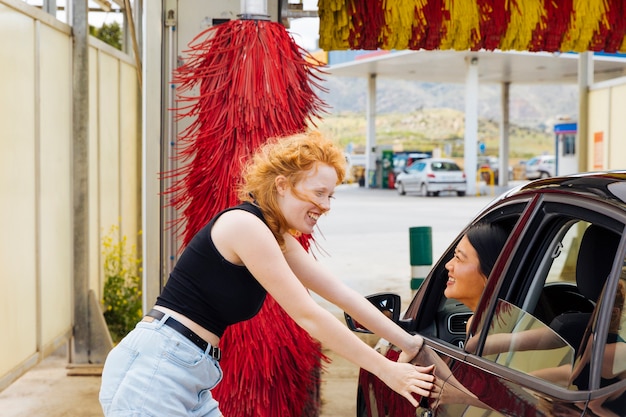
(445, 166)
(442, 318)
(417, 166)
(547, 298)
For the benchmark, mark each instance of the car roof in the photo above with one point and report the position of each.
(608, 186)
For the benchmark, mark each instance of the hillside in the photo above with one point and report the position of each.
(423, 116)
(427, 129)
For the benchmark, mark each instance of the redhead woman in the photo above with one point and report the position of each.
(169, 363)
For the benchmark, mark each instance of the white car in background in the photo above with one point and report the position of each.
(431, 176)
(543, 166)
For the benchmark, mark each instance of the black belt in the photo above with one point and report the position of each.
(213, 351)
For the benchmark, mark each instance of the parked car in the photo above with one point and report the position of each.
(485, 163)
(562, 272)
(431, 176)
(543, 166)
(402, 160)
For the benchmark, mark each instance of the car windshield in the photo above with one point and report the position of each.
(444, 166)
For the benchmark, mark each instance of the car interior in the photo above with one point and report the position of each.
(595, 259)
(448, 322)
(556, 287)
(562, 289)
(555, 282)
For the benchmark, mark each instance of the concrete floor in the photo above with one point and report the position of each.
(365, 241)
(48, 391)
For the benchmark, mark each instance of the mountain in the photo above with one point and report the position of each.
(531, 106)
(424, 116)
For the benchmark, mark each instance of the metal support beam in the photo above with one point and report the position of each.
(80, 179)
(503, 159)
(585, 79)
(153, 274)
(370, 136)
(50, 7)
(471, 123)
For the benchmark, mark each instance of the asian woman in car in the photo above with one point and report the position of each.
(474, 258)
(169, 363)
(468, 271)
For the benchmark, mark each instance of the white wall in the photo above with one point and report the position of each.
(36, 242)
(607, 126)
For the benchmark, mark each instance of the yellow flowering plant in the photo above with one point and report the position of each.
(122, 285)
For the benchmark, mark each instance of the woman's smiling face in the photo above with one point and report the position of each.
(303, 204)
(466, 282)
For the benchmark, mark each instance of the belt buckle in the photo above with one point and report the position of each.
(216, 353)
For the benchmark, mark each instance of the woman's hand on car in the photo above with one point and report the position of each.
(407, 379)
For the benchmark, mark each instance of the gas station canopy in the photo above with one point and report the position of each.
(493, 66)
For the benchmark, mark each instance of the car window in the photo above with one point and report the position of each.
(614, 358)
(520, 341)
(569, 144)
(566, 262)
(434, 315)
(417, 166)
(611, 369)
(444, 166)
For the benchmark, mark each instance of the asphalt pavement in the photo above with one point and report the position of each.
(364, 240)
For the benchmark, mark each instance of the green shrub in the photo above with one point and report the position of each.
(122, 285)
(110, 33)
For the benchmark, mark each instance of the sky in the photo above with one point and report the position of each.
(305, 31)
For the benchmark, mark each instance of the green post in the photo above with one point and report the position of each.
(421, 250)
(387, 166)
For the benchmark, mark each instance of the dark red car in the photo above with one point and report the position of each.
(561, 274)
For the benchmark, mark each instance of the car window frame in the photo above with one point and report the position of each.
(603, 315)
(577, 207)
(421, 312)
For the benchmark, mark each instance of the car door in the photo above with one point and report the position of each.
(413, 179)
(539, 369)
(442, 323)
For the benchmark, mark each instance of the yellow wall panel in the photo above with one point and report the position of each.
(55, 178)
(108, 140)
(36, 243)
(95, 229)
(617, 146)
(17, 190)
(130, 155)
(598, 134)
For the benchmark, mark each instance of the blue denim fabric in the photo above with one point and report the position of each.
(155, 371)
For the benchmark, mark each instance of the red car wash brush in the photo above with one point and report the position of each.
(242, 82)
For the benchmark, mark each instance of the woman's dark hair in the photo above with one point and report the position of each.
(488, 240)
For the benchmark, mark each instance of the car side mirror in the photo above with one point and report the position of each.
(389, 304)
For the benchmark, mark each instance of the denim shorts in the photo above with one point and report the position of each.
(155, 371)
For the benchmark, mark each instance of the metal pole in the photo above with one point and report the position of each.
(585, 79)
(370, 135)
(168, 145)
(152, 137)
(471, 124)
(50, 7)
(503, 160)
(80, 184)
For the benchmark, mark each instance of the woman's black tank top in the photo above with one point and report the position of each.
(206, 288)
